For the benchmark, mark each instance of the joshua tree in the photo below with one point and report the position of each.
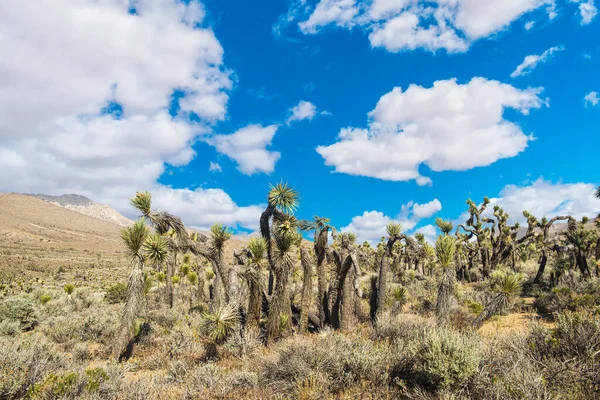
(168, 226)
(307, 268)
(445, 248)
(134, 238)
(218, 325)
(394, 233)
(506, 286)
(281, 199)
(258, 251)
(474, 227)
(544, 225)
(583, 240)
(285, 237)
(321, 229)
(219, 236)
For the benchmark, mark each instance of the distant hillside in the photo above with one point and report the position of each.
(83, 205)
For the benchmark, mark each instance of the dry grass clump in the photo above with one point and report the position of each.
(327, 364)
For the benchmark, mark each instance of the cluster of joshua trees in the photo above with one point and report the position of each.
(253, 291)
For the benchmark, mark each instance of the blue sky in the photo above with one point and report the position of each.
(185, 76)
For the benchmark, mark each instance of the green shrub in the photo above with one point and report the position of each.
(440, 360)
(19, 309)
(116, 293)
(10, 327)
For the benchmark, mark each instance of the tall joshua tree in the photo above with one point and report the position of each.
(258, 251)
(219, 235)
(321, 229)
(167, 225)
(445, 247)
(134, 238)
(281, 199)
(394, 234)
(307, 268)
(285, 237)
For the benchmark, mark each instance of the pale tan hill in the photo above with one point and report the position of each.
(86, 206)
(38, 237)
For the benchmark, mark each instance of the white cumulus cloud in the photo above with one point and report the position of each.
(370, 226)
(398, 25)
(248, 147)
(215, 167)
(64, 63)
(587, 10)
(591, 98)
(437, 126)
(303, 110)
(544, 198)
(530, 62)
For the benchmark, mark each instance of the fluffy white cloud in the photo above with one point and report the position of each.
(544, 198)
(530, 62)
(437, 126)
(591, 98)
(248, 147)
(304, 110)
(529, 25)
(202, 208)
(587, 10)
(215, 167)
(370, 226)
(61, 65)
(409, 24)
(339, 12)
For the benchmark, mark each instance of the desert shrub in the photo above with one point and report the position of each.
(19, 309)
(211, 381)
(10, 327)
(24, 362)
(461, 319)
(332, 358)
(400, 327)
(509, 372)
(67, 330)
(576, 335)
(440, 360)
(116, 293)
(69, 288)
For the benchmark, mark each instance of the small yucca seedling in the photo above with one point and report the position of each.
(184, 269)
(219, 324)
(161, 277)
(284, 320)
(192, 278)
(401, 294)
(45, 298)
(209, 274)
(176, 279)
(69, 288)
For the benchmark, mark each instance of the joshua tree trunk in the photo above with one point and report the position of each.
(279, 307)
(320, 248)
(217, 292)
(382, 285)
(171, 260)
(135, 292)
(491, 309)
(200, 290)
(306, 288)
(254, 303)
(265, 231)
(542, 267)
(347, 302)
(442, 309)
(583, 265)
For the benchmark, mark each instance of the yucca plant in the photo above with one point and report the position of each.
(445, 226)
(134, 238)
(219, 235)
(445, 247)
(219, 324)
(283, 197)
(506, 285)
(394, 230)
(258, 253)
(156, 249)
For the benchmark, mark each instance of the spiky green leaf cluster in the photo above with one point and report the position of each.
(220, 323)
(283, 197)
(134, 237)
(445, 226)
(393, 229)
(143, 202)
(445, 247)
(507, 283)
(155, 248)
(258, 249)
(192, 278)
(220, 234)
